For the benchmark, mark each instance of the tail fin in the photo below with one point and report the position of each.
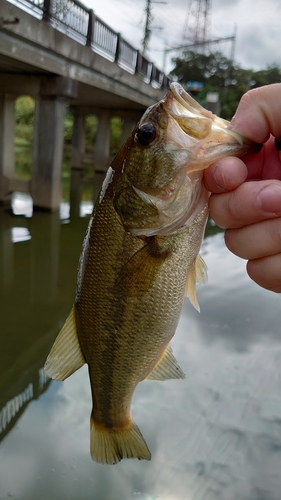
(109, 446)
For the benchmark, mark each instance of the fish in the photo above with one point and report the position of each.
(139, 260)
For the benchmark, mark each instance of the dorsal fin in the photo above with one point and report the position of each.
(167, 368)
(65, 356)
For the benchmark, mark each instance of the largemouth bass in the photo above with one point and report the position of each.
(139, 260)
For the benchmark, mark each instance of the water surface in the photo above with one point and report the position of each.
(215, 435)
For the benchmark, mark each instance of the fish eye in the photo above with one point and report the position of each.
(146, 134)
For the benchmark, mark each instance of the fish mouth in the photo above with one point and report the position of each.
(207, 135)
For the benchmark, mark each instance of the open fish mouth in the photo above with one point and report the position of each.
(209, 135)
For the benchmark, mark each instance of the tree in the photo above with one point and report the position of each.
(219, 74)
(272, 74)
(212, 68)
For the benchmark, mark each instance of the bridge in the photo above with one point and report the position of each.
(62, 54)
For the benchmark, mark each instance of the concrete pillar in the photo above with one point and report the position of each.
(7, 137)
(48, 141)
(102, 146)
(78, 139)
(48, 152)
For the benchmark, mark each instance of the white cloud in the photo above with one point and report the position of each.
(258, 27)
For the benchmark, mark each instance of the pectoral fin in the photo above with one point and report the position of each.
(139, 273)
(197, 274)
(65, 356)
(167, 368)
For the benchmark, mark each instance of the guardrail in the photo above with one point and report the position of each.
(79, 22)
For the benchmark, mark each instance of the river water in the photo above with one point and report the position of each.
(215, 435)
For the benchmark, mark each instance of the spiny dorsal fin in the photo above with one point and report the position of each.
(167, 368)
(197, 274)
(65, 356)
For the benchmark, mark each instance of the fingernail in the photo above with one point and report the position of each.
(219, 178)
(231, 124)
(269, 199)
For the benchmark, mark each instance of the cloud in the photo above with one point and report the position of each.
(258, 27)
(256, 46)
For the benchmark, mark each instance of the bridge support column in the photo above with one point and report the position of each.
(7, 134)
(102, 147)
(49, 140)
(78, 139)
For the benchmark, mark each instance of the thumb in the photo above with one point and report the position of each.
(258, 114)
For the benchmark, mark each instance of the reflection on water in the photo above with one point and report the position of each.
(214, 435)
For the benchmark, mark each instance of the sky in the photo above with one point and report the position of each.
(257, 24)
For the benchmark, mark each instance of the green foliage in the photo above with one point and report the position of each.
(219, 74)
(68, 127)
(211, 68)
(116, 129)
(24, 116)
(91, 127)
(272, 74)
(24, 110)
(23, 161)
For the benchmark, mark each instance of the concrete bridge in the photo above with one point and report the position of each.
(63, 55)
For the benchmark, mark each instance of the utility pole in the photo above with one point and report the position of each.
(147, 28)
(148, 24)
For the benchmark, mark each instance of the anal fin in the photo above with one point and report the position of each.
(167, 368)
(65, 356)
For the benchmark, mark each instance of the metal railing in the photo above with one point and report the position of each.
(79, 22)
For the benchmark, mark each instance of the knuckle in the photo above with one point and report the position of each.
(275, 232)
(250, 98)
(233, 208)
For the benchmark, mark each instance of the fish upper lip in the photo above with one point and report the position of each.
(180, 105)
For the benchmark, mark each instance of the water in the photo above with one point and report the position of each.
(214, 435)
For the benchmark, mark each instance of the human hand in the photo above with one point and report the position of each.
(246, 197)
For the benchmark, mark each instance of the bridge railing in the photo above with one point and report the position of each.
(79, 22)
